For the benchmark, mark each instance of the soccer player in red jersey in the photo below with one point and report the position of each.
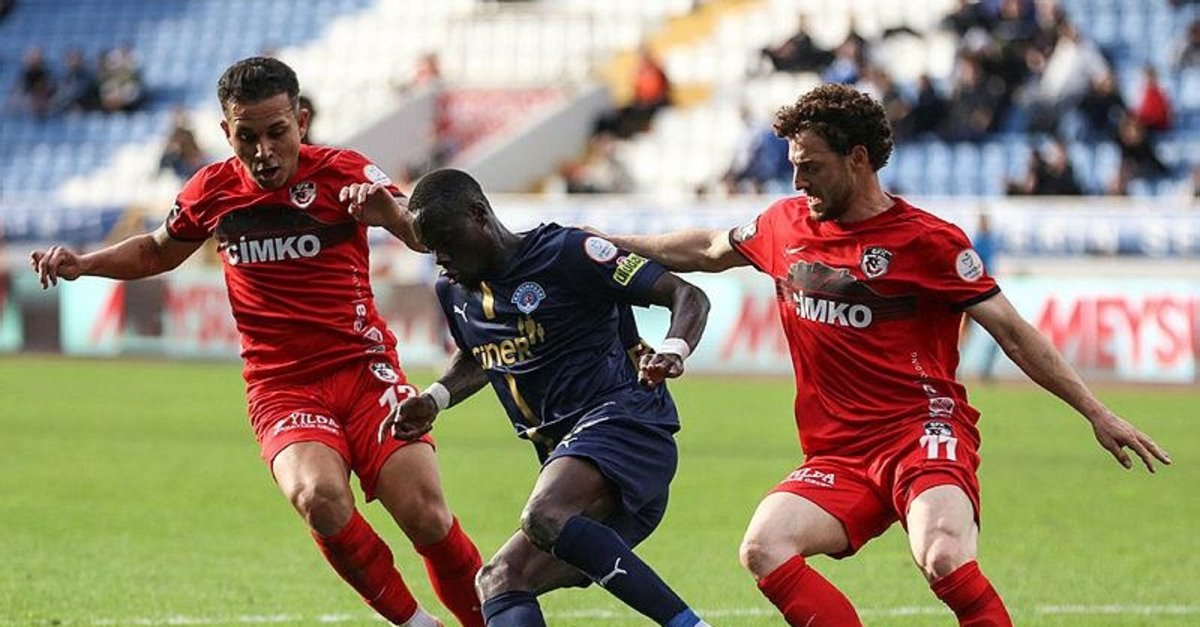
(321, 369)
(871, 292)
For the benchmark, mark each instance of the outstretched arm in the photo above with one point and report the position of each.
(373, 205)
(138, 257)
(689, 314)
(414, 417)
(1038, 358)
(693, 250)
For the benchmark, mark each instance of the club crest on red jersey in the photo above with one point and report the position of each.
(384, 372)
(875, 261)
(303, 194)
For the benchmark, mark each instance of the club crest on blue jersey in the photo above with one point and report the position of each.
(528, 296)
(303, 194)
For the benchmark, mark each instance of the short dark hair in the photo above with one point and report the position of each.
(442, 195)
(255, 79)
(844, 117)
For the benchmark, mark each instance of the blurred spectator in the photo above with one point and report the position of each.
(1153, 109)
(1139, 160)
(181, 154)
(973, 103)
(427, 71)
(651, 92)
(35, 85)
(601, 171)
(306, 104)
(799, 53)
(761, 161)
(970, 15)
(1049, 174)
(1187, 51)
(928, 111)
(846, 65)
(78, 90)
(1191, 186)
(1016, 21)
(120, 79)
(878, 83)
(1068, 74)
(1102, 108)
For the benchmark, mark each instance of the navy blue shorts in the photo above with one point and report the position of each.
(638, 457)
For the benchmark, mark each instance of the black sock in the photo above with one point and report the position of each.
(513, 609)
(604, 557)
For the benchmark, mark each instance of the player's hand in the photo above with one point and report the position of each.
(1115, 434)
(654, 368)
(55, 263)
(414, 417)
(369, 203)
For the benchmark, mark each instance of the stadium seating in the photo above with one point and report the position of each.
(353, 53)
(1132, 33)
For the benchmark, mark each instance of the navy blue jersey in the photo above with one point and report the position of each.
(553, 330)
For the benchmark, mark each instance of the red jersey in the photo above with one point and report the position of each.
(871, 311)
(296, 264)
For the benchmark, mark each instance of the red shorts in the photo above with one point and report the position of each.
(346, 410)
(868, 493)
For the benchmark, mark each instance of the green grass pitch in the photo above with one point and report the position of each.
(131, 493)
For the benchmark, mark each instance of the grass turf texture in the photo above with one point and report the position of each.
(132, 493)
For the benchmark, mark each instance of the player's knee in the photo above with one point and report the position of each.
(424, 520)
(760, 556)
(496, 577)
(943, 555)
(325, 507)
(542, 525)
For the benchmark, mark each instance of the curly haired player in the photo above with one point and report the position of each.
(871, 293)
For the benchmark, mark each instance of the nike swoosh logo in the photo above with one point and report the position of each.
(793, 250)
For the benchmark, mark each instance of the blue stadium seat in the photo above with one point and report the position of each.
(178, 43)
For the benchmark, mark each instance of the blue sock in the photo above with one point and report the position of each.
(513, 609)
(604, 557)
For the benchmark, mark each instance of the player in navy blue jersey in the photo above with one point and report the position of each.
(544, 316)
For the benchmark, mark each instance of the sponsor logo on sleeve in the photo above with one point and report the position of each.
(528, 296)
(375, 174)
(746, 231)
(627, 267)
(599, 249)
(384, 372)
(303, 194)
(969, 265)
(875, 261)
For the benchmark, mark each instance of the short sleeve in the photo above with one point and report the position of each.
(954, 271)
(359, 169)
(445, 296)
(187, 222)
(597, 266)
(755, 239)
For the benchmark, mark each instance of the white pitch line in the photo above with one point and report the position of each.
(605, 615)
